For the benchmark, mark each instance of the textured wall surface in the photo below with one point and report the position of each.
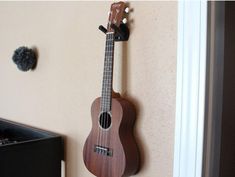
(57, 95)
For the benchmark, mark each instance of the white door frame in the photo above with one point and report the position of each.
(199, 88)
(190, 89)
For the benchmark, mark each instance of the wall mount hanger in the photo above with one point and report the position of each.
(121, 33)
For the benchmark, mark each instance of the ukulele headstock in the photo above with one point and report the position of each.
(116, 15)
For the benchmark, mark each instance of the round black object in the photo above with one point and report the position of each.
(25, 58)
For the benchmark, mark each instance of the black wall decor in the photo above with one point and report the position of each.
(25, 58)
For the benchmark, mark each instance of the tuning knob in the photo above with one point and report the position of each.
(124, 20)
(127, 10)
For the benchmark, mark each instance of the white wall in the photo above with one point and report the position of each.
(57, 95)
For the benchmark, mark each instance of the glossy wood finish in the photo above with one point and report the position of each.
(119, 137)
(116, 15)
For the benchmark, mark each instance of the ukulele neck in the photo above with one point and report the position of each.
(107, 86)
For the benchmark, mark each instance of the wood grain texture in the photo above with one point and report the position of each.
(119, 137)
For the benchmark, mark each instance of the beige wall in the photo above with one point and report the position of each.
(57, 95)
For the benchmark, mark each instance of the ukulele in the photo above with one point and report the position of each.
(110, 149)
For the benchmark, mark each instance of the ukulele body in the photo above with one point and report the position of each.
(112, 152)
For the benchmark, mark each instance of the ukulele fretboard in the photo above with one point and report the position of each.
(108, 73)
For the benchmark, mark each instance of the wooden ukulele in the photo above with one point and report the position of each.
(110, 149)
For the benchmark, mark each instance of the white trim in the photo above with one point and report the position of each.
(62, 168)
(190, 94)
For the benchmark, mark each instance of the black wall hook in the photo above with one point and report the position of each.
(121, 32)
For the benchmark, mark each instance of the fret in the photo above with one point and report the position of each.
(106, 94)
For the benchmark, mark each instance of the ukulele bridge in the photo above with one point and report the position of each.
(103, 150)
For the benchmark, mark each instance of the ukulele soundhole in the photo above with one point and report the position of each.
(105, 120)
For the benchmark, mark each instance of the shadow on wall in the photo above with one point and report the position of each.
(133, 100)
(125, 94)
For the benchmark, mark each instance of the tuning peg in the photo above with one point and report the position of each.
(124, 20)
(103, 29)
(127, 10)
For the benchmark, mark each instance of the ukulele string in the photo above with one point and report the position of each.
(99, 122)
(98, 139)
(103, 101)
(100, 118)
(103, 98)
(107, 84)
(110, 61)
(107, 87)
